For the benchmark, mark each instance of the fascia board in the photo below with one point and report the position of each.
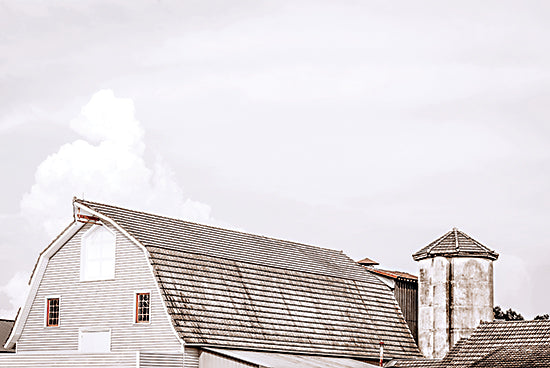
(36, 278)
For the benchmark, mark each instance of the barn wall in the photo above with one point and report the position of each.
(104, 304)
(159, 360)
(69, 360)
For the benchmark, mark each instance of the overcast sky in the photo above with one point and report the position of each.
(372, 127)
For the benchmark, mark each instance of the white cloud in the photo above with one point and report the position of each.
(16, 291)
(108, 165)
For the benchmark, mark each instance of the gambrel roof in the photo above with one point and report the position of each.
(455, 243)
(225, 288)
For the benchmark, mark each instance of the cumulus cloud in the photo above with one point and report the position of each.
(15, 292)
(107, 165)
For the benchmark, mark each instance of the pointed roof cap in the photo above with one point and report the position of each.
(455, 243)
(367, 262)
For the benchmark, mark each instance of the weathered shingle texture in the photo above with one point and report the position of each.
(455, 243)
(512, 344)
(231, 289)
(5, 330)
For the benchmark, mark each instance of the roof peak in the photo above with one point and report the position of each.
(455, 243)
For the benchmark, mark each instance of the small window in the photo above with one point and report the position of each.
(98, 254)
(52, 312)
(142, 307)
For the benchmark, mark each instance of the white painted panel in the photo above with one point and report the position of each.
(95, 341)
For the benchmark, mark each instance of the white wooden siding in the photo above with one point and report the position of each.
(209, 360)
(102, 304)
(159, 360)
(66, 360)
(191, 357)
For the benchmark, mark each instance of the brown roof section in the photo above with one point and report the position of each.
(226, 288)
(367, 262)
(394, 274)
(5, 329)
(506, 344)
(455, 243)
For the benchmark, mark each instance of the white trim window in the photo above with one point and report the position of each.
(94, 341)
(98, 254)
(51, 312)
(142, 303)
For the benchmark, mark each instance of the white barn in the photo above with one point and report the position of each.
(122, 288)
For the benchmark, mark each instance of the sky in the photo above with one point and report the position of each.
(371, 127)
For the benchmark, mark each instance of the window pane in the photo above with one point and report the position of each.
(142, 307)
(98, 261)
(52, 312)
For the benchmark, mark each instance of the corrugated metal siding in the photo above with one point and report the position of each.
(406, 294)
(98, 304)
(160, 360)
(191, 357)
(64, 360)
(209, 360)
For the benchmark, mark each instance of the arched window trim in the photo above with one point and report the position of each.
(87, 234)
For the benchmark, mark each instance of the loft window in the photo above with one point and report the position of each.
(142, 307)
(52, 312)
(98, 254)
(95, 341)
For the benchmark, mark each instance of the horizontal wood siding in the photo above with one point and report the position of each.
(106, 304)
(209, 360)
(159, 360)
(64, 360)
(191, 357)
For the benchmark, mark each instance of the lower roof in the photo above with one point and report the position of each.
(277, 360)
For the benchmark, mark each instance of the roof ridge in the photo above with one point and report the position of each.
(82, 201)
(437, 241)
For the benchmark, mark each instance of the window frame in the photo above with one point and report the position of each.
(47, 310)
(135, 313)
(90, 231)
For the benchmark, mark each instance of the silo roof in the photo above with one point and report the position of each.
(455, 243)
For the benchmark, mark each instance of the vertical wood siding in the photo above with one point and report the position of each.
(406, 294)
(104, 304)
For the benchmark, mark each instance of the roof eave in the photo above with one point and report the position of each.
(493, 256)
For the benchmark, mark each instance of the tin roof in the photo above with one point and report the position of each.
(393, 274)
(226, 288)
(278, 360)
(455, 243)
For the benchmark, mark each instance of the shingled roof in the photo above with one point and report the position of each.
(506, 344)
(5, 328)
(455, 243)
(225, 288)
